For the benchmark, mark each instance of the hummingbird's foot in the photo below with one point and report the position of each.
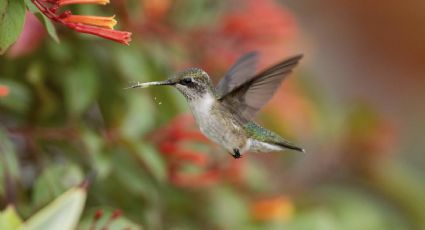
(236, 154)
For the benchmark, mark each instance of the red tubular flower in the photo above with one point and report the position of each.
(123, 37)
(99, 26)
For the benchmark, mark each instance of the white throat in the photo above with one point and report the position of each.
(201, 107)
(201, 110)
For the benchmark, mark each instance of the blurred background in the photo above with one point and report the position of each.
(355, 103)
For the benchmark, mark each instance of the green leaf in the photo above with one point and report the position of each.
(8, 162)
(228, 209)
(51, 30)
(46, 100)
(80, 88)
(3, 6)
(133, 180)
(12, 17)
(63, 213)
(255, 176)
(101, 162)
(19, 98)
(8, 155)
(319, 219)
(31, 7)
(54, 180)
(132, 64)
(9, 219)
(139, 118)
(153, 161)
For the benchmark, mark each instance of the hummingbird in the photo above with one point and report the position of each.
(225, 113)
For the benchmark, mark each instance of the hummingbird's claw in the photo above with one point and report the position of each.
(236, 154)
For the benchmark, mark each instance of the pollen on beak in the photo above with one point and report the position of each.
(147, 84)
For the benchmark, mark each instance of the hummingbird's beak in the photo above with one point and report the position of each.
(147, 84)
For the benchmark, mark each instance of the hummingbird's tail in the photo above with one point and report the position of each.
(289, 145)
(260, 134)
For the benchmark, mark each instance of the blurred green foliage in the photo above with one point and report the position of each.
(12, 21)
(66, 119)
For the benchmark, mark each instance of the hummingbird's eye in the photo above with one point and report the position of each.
(186, 81)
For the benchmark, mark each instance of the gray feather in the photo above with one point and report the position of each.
(248, 98)
(242, 71)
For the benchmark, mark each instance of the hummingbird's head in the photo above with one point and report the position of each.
(192, 83)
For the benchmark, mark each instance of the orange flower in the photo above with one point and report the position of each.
(68, 2)
(106, 22)
(279, 208)
(4, 91)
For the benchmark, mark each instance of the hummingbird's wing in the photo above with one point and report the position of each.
(242, 71)
(247, 99)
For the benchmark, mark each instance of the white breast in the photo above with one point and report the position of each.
(215, 129)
